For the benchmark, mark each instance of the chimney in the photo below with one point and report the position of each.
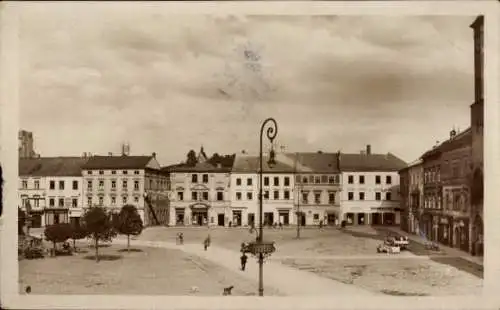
(154, 155)
(368, 149)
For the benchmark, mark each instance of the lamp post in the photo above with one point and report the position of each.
(260, 248)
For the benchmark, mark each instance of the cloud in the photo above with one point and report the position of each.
(95, 76)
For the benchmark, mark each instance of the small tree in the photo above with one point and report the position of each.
(78, 232)
(58, 233)
(98, 226)
(129, 222)
(191, 158)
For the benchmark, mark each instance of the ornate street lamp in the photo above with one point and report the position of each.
(260, 248)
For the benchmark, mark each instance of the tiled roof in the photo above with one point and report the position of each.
(210, 165)
(461, 139)
(51, 166)
(249, 163)
(317, 162)
(370, 162)
(117, 162)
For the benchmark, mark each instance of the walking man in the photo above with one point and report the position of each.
(243, 259)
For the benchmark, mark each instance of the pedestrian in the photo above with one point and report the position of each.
(243, 259)
(205, 244)
(320, 224)
(181, 238)
(281, 225)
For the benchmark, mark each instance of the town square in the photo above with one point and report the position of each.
(253, 155)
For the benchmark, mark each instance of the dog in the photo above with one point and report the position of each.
(227, 290)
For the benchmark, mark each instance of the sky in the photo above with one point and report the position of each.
(92, 78)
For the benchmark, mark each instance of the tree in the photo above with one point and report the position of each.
(129, 222)
(21, 221)
(191, 158)
(98, 226)
(78, 232)
(58, 233)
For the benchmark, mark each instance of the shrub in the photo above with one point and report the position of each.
(77, 233)
(129, 222)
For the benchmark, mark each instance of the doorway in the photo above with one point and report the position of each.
(361, 219)
(331, 218)
(376, 218)
(284, 217)
(200, 218)
(237, 218)
(268, 218)
(179, 216)
(389, 219)
(251, 219)
(220, 219)
(36, 221)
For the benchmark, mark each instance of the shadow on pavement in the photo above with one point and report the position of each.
(130, 250)
(379, 233)
(104, 257)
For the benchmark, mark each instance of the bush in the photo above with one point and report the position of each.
(58, 233)
(129, 222)
(98, 226)
(77, 233)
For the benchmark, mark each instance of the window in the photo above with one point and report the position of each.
(266, 195)
(113, 171)
(194, 178)
(361, 196)
(304, 197)
(52, 185)
(276, 195)
(52, 202)
(113, 200)
(180, 196)
(331, 179)
(361, 179)
(388, 179)
(125, 172)
(238, 181)
(324, 179)
(24, 184)
(89, 201)
(388, 196)
(317, 179)
(331, 198)
(101, 172)
(89, 185)
(249, 196)
(287, 181)
(194, 196)
(205, 196)
(124, 184)
(113, 184)
(266, 181)
(317, 198)
(61, 202)
(286, 195)
(101, 201)
(249, 182)
(124, 199)
(101, 184)
(297, 178)
(205, 178)
(220, 196)
(136, 199)
(304, 180)
(136, 185)
(37, 184)
(238, 196)
(316, 216)
(350, 179)
(311, 179)
(350, 196)
(378, 196)
(74, 203)
(276, 181)
(37, 201)
(75, 185)
(89, 172)
(61, 185)
(136, 172)
(377, 179)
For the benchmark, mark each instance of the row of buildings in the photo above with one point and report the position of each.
(442, 192)
(304, 188)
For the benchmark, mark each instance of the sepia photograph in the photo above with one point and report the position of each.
(249, 154)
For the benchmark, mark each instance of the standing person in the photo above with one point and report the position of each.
(205, 243)
(243, 260)
(320, 224)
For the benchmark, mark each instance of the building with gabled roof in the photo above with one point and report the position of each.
(50, 189)
(114, 181)
(370, 188)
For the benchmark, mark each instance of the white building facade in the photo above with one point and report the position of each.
(370, 188)
(115, 181)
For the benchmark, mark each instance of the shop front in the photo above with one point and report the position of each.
(199, 214)
(445, 231)
(461, 234)
(284, 216)
(56, 216)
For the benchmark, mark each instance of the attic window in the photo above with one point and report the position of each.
(125, 172)
(89, 172)
(136, 172)
(101, 171)
(113, 171)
